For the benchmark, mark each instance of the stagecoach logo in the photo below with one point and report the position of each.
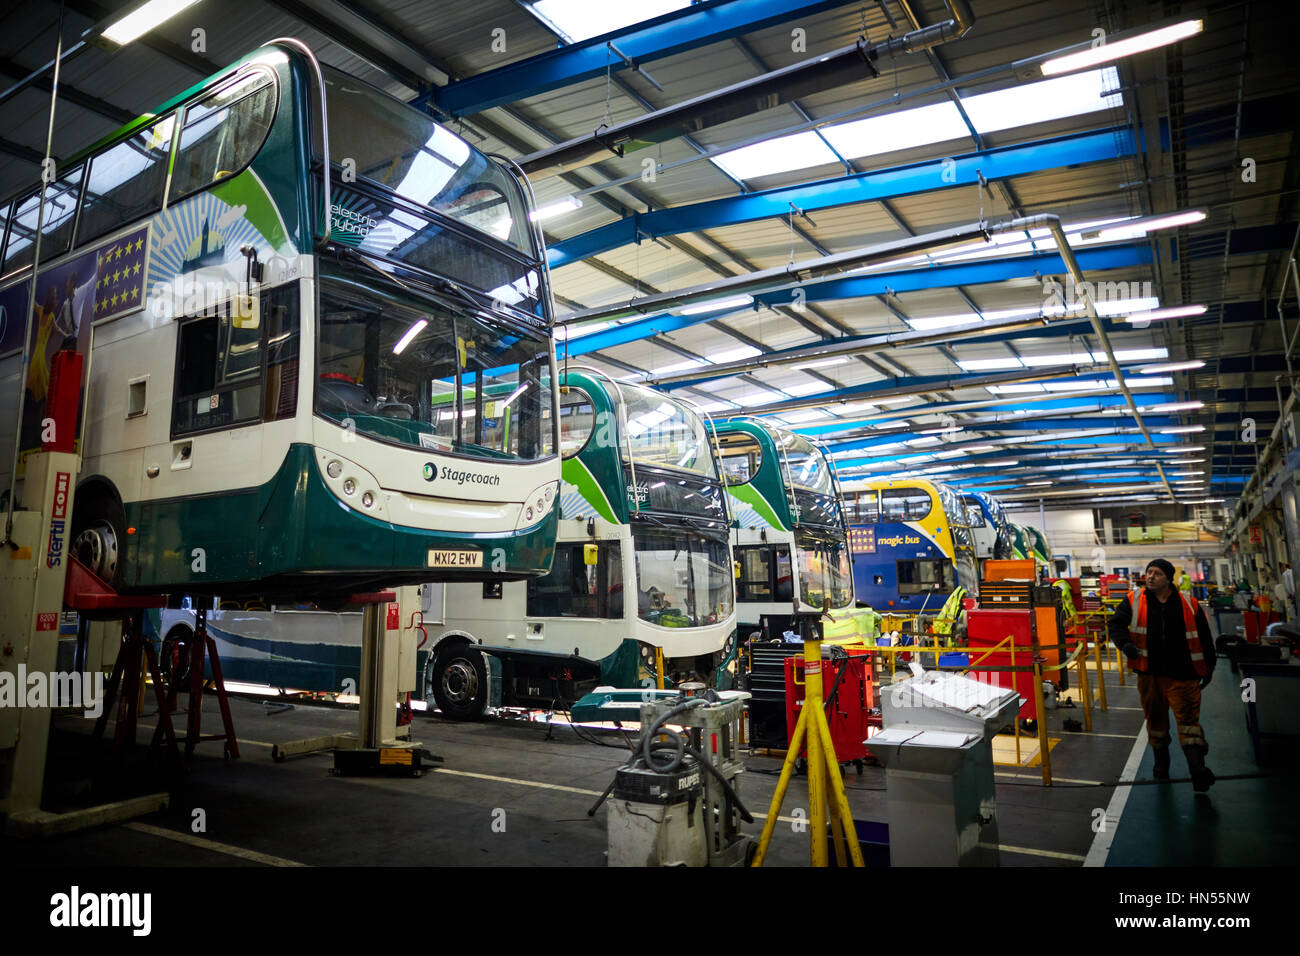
(58, 518)
(430, 471)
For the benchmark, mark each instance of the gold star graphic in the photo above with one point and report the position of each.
(135, 293)
(136, 270)
(117, 275)
(114, 298)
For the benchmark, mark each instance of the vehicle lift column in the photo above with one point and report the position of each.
(390, 623)
(33, 570)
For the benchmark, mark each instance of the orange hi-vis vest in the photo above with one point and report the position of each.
(1138, 630)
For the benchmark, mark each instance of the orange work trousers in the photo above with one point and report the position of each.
(1159, 694)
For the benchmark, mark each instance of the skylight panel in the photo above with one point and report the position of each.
(905, 129)
(736, 354)
(805, 388)
(779, 155)
(1046, 100)
(983, 365)
(675, 367)
(578, 20)
(1020, 389)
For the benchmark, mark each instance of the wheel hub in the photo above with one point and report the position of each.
(460, 682)
(97, 549)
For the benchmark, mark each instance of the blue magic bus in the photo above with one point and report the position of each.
(911, 544)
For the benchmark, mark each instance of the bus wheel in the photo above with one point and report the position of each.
(174, 659)
(459, 681)
(99, 535)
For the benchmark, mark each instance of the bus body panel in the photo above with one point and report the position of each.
(224, 510)
(921, 547)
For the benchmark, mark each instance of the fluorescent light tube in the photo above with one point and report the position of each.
(143, 19)
(1113, 51)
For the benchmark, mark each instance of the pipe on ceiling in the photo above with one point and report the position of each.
(846, 65)
(1053, 223)
(779, 277)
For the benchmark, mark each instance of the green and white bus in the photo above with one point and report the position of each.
(789, 533)
(318, 337)
(641, 591)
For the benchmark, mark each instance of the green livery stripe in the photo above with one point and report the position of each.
(578, 475)
(750, 496)
(247, 190)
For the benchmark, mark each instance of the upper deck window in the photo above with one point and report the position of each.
(402, 149)
(126, 181)
(662, 432)
(904, 504)
(223, 132)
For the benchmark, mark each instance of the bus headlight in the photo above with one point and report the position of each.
(538, 504)
(349, 482)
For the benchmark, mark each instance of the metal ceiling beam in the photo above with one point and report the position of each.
(881, 184)
(848, 64)
(936, 277)
(643, 42)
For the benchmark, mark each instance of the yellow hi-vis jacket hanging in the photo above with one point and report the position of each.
(952, 609)
(1138, 630)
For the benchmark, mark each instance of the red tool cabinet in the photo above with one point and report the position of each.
(850, 714)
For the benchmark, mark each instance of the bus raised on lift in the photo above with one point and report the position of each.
(284, 399)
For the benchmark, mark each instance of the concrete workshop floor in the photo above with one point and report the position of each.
(259, 812)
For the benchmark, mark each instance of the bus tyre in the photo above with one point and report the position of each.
(99, 534)
(459, 681)
(174, 659)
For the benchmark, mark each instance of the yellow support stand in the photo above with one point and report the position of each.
(823, 769)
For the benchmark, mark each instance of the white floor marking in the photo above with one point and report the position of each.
(1101, 841)
(206, 844)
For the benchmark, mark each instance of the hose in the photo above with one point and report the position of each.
(677, 742)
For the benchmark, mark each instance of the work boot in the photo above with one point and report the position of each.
(1161, 771)
(1202, 776)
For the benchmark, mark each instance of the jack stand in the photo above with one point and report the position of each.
(193, 732)
(387, 673)
(136, 652)
(823, 776)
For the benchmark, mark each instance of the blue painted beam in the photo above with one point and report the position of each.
(1106, 401)
(644, 42)
(963, 273)
(999, 163)
(935, 277)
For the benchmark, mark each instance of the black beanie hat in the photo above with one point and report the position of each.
(1164, 566)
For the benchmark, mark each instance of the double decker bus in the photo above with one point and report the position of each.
(990, 530)
(789, 536)
(641, 591)
(911, 544)
(318, 337)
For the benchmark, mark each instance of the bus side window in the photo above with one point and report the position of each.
(126, 181)
(576, 589)
(218, 381)
(784, 575)
(279, 313)
(222, 133)
(904, 504)
(755, 573)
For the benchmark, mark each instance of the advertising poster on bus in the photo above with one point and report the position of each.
(105, 282)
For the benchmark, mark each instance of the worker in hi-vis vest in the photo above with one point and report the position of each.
(1184, 582)
(1166, 638)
